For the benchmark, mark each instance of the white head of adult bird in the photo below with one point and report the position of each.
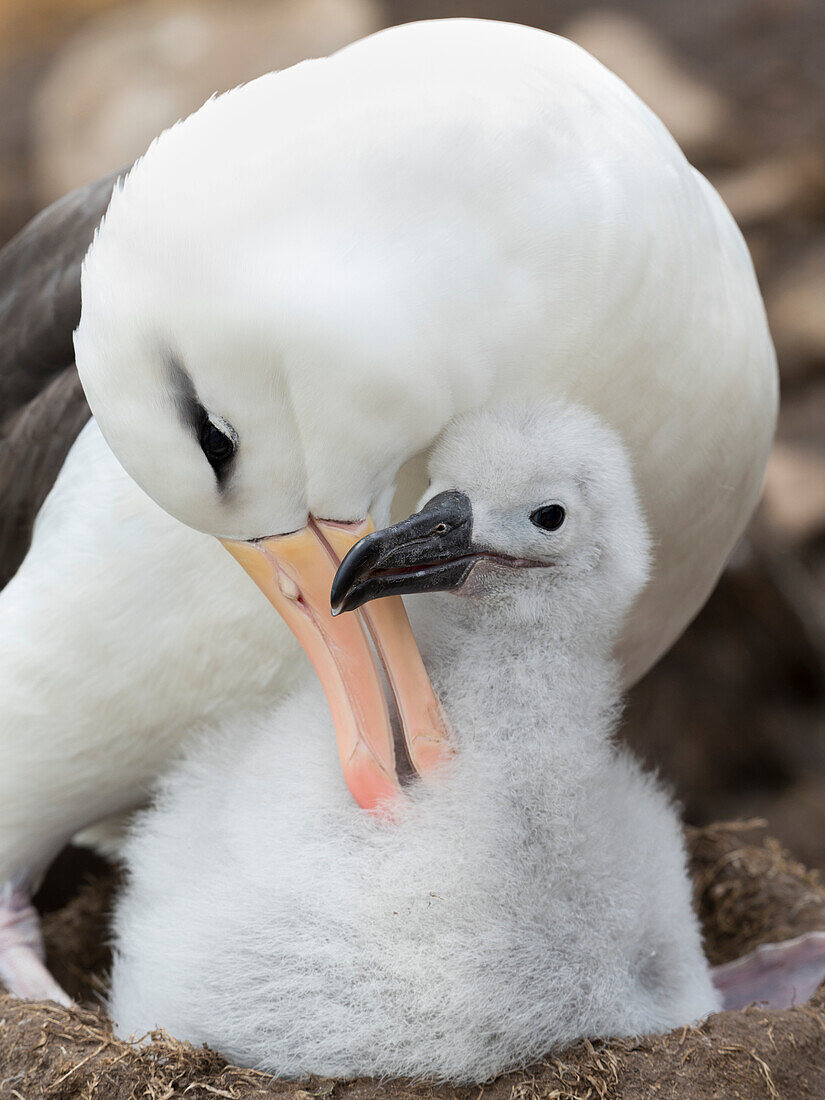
(536, 894)
(300, 285)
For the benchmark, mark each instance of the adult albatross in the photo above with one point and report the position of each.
(299, 286)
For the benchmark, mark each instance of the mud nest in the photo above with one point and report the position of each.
(748, 892)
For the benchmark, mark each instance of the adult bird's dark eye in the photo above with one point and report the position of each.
(549, 518)
(215, 444)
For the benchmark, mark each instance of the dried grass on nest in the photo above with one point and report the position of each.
(748, 893)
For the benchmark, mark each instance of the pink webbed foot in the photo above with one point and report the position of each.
(22, 969)
(778, 975)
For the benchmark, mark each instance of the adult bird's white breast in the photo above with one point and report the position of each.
(122, 630)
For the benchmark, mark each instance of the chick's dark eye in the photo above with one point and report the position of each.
(548, 518)
(216, 444)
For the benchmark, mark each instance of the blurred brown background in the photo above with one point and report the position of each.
(735, 715)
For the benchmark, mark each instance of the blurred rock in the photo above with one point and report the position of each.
(797, 819)
(791, 182)
(794, 492)
(762, 247)
(732, 716)
(130, 73)
(695, 113)
(796, 311)
(27, 24)
(802, 414)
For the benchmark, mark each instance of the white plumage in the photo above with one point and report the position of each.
(342, 257)
(346, 254)
(533, 893)
(122, 628)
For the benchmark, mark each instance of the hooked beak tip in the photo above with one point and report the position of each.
(428, 551)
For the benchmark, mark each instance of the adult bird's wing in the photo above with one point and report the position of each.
(42, 407)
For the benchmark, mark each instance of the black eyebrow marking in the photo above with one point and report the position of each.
(193, 415)
(191, 412)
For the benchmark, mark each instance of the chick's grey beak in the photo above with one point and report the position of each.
(429, 552)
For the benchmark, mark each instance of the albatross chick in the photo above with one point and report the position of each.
(533, 892)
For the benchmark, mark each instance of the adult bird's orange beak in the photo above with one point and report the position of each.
(368, 662)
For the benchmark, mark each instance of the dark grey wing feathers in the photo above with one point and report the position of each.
(40, 293)
(42, 405)
(32, 451)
